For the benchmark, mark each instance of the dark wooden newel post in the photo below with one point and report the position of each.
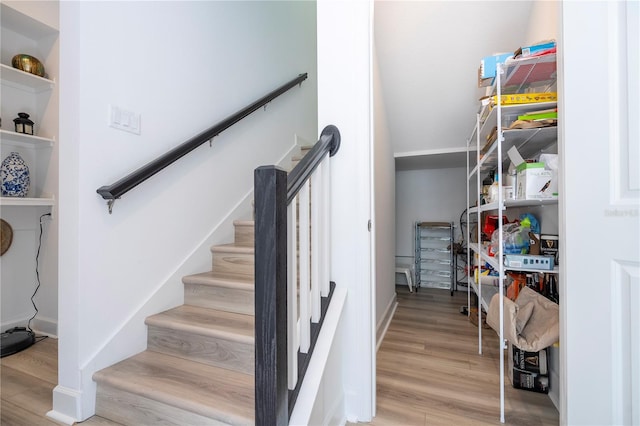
(271, 395)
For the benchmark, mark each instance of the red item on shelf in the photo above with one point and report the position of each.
(491, 224)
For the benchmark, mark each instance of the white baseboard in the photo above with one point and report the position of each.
(46, 326)
(39, 325)
(381, 330)
(67, 403)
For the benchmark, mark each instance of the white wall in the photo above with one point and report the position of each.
(543, 21)
(344, 99)
(183, 66)
(427, 195)
(384, 200)
(429, 54)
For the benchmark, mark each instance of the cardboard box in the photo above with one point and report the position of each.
(549, 246)
(488, 65)
(551, 163)
(528, 370)
(536, 49)
(529, 261)
(534, 182)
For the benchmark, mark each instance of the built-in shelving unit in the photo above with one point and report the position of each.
(487, 149)
(30, 93)
(31, 28)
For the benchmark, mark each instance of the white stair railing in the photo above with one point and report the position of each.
(293, 288)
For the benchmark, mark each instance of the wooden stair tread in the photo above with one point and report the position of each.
(244, 222)
(217, 393)
(221, 279)
(206, 322)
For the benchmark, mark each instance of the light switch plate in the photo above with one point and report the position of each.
(122, 119)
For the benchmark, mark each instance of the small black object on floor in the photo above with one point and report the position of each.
(15, 340)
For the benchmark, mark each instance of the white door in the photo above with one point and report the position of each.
(600, 213)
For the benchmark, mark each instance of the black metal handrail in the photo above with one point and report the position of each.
(274, 191)
(135, 178)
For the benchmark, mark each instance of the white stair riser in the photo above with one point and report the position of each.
(216, 351)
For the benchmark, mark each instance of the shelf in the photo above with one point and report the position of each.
(494, 263)
(434, 250)
(26, 202)
(433, 256)
(436, 238)
(436, 225)
(518, 72)
(437, 261)
(528, 142)
(488, 291)
(509, 114)
(22, 139)
(25, 25)
(514, 204)
(24, 80)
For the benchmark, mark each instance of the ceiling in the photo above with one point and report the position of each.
(428, 54)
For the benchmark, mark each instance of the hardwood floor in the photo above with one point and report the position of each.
(27, 380)
(429, 373)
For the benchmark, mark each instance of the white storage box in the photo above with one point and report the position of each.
(534, 182)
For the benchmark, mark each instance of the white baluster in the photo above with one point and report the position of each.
(326, 226)
(305, 308)
(292, 296)
(316, 248)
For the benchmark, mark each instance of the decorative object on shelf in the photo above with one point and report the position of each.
(23, 124)
(28, 63)
(6, 236)
(15, 176)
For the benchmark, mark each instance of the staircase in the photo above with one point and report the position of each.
(198, 368)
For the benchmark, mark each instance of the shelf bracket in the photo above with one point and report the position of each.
(110, 204)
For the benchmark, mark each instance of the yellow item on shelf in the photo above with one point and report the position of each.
(525, 98)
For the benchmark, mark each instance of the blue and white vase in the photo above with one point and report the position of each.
(15, 176)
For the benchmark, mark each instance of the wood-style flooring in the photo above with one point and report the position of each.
(429, 373)
(27, 380)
